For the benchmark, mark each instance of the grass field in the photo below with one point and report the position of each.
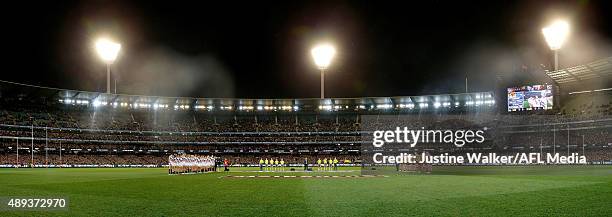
(449, 191)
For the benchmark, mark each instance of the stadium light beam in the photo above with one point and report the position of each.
(108, 51)
(555, 35)
(323, 55)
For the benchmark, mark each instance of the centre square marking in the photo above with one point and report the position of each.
(272, 177)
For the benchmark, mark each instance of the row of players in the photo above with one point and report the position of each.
(188, 163)
(272, 164)
(276, 165)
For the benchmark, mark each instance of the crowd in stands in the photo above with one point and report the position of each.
(588, 104)
(125, 136)
(81, 159)
(159, 160)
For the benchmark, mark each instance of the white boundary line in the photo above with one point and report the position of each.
(347, 176)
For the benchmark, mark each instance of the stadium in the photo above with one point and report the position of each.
(106, 153)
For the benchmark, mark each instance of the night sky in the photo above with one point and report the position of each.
(261, 49)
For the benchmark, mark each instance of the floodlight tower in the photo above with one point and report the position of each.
(322, 55)
(108, 51)
(555, 35)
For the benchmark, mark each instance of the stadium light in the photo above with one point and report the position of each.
(437, 104)
(108, 51)
(97, 103)
(555, 35)
(322, 55)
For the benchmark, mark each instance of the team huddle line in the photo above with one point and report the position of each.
(276, 165)
(187, 163)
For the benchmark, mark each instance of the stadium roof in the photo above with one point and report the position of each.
(594, 70)
(230, 103)
(141, 101)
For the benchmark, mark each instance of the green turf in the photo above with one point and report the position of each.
(449, 191)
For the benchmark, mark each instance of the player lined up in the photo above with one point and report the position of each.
(327, 165)
(276, 165)
(272, 164)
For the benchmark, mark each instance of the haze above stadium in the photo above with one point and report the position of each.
(261, 49)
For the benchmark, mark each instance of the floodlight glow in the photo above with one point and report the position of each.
(323, 54)
(556, 34)
(245, 107)
(325, 107)
(384, 106)
(107, 50)
(96, 103)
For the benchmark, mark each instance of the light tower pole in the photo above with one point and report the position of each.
(555, 35)
(108, 51)
(322, 83)
(322, 55)
(108, 72)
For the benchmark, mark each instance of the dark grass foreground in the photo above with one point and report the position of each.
(449, 191)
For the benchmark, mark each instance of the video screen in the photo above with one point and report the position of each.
(528, 98)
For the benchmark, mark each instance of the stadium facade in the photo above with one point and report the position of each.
(49, 126)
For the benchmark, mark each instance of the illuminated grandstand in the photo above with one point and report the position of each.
(583, 88)
(461, 101)
(419, 103)
(600, 69)
(76, 128)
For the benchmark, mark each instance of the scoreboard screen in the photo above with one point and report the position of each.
(528, 98)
